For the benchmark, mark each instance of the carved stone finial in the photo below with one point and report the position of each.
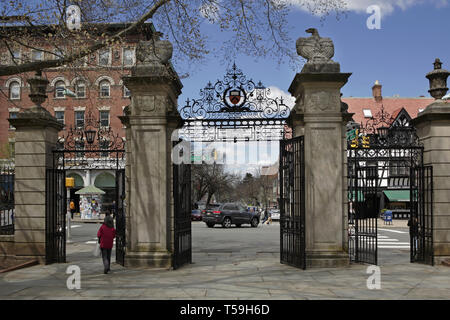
(438, 80)
(318, 52)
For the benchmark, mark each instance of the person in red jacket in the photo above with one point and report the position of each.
(106, 235)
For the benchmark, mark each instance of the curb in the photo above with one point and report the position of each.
(86, 221)
(21, 266)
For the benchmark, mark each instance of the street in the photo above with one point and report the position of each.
(393, 243)
(235, 263)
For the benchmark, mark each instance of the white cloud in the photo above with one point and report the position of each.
(387, 6)
(276, 92)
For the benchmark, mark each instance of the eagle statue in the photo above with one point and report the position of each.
(317, 51)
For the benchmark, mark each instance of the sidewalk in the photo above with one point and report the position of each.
(223, 276)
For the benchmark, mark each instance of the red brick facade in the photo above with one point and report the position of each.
(94, 76)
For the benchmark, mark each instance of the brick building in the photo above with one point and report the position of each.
(95, 81)
(367, 107)
(91, 86)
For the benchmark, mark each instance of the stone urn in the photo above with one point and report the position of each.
(154, 51)
(438, 80)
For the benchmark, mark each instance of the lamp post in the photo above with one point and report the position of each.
(438, 80)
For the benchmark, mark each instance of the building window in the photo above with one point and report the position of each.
(104, 89)
(12, 115)
(14, 90)
(15, 59)
(60, 88)
(79, 145)
(58, 53)
(128, 57)
(59, 115)
(367, 113)
(79, 119)
(37, 55)
(104, 118)
(80, 89)
(126, 92)
(103, 57)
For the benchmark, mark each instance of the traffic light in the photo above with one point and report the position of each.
(365, 142)
(354, 143)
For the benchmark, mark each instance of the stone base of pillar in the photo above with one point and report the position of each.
(321, 259)
(442, 260)
(156, 259)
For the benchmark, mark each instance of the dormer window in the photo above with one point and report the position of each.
(367, 113)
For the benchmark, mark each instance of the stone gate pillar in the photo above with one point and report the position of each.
(36, 136)
(318, 115)
(150, 119)
(433, 129)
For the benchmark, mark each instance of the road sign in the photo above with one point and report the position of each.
(351, 135)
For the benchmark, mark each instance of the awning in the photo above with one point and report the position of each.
(397, 195)
(90, 190)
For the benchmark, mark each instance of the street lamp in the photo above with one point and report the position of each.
(383, 132)
(90, 136)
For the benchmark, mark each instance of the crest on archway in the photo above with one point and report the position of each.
(234, 108)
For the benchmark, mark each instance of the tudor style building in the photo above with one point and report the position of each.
(90, 88)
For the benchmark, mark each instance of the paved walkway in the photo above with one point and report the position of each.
(223, 275)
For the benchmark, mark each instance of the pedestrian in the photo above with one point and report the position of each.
(106, 235)
(267, 219)
(72, 208)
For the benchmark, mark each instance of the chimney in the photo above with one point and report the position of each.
(376, 91)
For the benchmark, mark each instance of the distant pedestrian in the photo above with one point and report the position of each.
(72, 208)
(267, 217)
(106, 235)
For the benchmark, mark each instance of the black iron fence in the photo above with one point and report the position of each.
(6, 198)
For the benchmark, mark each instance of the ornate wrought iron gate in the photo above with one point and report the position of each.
(55, 218)
(292, 203)
(363, 242)
(182, 253)
(7, 174)
(56, 193)
(421, 223)
(385, 157)
(119, 211)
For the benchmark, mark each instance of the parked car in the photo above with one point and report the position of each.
(228, 214)
(196, 215)
(275, 214)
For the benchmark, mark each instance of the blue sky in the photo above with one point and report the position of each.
(413, 33)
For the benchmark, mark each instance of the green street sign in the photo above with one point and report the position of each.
(351, 135)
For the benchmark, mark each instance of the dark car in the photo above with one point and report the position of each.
(196, 215)
(227, 214)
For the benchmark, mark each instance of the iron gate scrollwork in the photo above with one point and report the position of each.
(182, 247)
(421, 220)
(292, 202)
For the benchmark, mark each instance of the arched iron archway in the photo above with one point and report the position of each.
(234, 109)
